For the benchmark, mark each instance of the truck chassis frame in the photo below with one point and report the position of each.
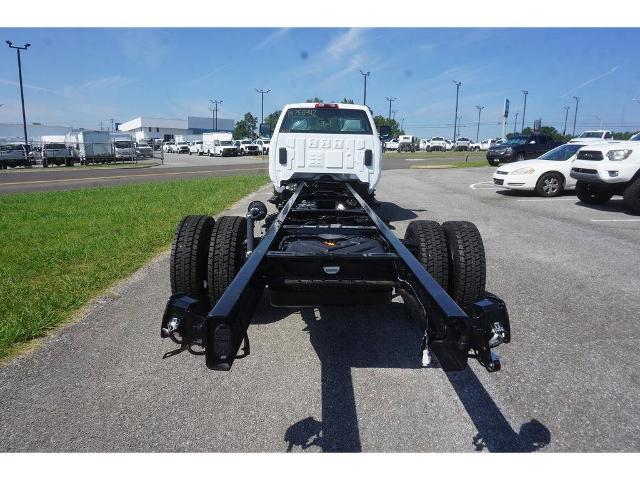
(310, 278)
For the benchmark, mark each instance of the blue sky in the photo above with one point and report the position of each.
(80, 77)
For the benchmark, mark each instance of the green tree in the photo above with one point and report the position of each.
(395, 127)
(246, 128)
(347, 100)
(272, 119)
(313, 100)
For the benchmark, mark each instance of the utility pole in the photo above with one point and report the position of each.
(575, 115)
(401, 123)
(394, 114)
(566, 115)
(599, 120)
(515, 122)
(480, 108)
(24, 116)
(455, 118)
(524, 109)
(213, 119)
(390, 99)
(365, 75)
(112, 125)
(262, 92)
(215, 113)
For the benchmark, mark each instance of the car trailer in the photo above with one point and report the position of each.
(327, 246)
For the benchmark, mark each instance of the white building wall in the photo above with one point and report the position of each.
(14, 131)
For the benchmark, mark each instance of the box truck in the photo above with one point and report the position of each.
(90, 146)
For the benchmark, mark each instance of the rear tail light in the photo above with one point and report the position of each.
(326, 105)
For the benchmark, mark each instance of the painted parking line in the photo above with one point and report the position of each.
(547, 199)
(484, 186)
(615, 219)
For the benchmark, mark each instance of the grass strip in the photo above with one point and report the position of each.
(60, 249)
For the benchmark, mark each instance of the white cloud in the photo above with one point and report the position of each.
(271, 38)
(346, 42)
(29, 86)
(591, 80)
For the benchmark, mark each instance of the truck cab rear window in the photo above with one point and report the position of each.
(326, 120)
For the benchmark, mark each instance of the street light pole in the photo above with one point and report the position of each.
(515, 122)
(215, 113)
(524, 109)
(213, 119)
(599, 120)
(575, 115)
(455, 118)
(394, 114)
(365, 75)
(24, 116)
(390, 99)
(480, 108)
(262, 92)
(566, 115)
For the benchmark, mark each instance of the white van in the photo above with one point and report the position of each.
(219, 144)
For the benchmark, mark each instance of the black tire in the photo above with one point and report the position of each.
(431, 248)
(189, 252)
(550, 185)
(592, 193)
(467, 263)
(494, 163)
(631, 197)
(227, 253)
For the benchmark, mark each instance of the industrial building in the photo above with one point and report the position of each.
(35, 131)
(146, 128)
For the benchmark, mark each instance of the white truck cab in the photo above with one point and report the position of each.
(437, 144)
(335, 140)
(593, 136)
(607, 169)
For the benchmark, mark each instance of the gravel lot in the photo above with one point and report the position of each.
(349, 379)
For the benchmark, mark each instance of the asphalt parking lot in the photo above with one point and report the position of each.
(175, 166)
(349, 379)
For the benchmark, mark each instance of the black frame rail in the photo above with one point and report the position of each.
(454, 334)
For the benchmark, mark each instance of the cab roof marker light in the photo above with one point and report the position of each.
(327, 105)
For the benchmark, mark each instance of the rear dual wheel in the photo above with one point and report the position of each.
(453, 254)
(206, 255)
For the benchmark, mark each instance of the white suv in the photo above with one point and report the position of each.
(437, 144)
(607, 169)
(333, 140)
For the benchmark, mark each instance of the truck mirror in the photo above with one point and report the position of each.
(385, 132)
(265, 130)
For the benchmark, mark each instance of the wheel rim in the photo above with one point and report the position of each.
(550, 185)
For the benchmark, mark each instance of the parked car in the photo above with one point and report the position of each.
(247, 147)
(263, 144)
(487, 144)
(408, 143)
(437, 144)
(449, 144)
(391, 144)
(475, 146)
(144, 150)
(196, 147)
(547, 175)
(12, 155)
(603, 170)
(181, 147)
(520, 147)
(593, 136)
(57, 154)
(462, 143)
(168, 146)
